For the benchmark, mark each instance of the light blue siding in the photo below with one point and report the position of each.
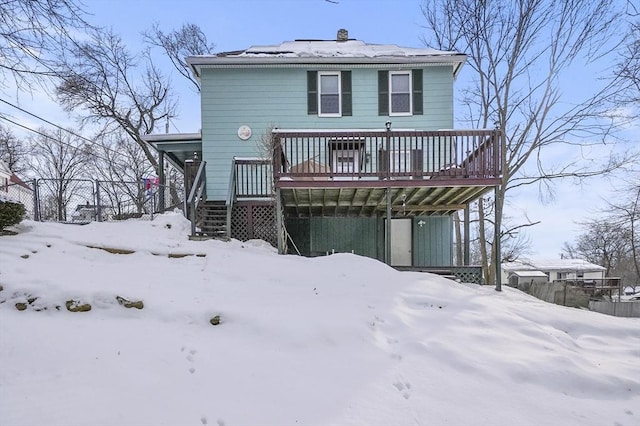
(276, 97)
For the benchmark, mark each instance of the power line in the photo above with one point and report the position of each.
(46, 121)
(106, 148)
(93, 153)
(54, 139)
(25, 127)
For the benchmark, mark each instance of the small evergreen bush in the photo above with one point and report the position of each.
(10, 214)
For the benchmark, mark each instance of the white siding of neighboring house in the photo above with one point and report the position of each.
(567, 268)
(14, 192)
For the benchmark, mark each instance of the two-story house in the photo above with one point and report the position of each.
(324, 146)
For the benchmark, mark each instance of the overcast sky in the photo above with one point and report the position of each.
(238, 24)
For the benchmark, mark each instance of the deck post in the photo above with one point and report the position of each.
(163, 182)
(496, 239)
(467, 237)
(98, 205)
(279, 222)
(388, 229)
(36, 202)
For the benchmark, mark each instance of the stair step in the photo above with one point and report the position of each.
(212, 220)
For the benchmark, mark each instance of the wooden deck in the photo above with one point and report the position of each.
(349, 173)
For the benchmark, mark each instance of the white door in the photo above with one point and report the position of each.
(401, 242)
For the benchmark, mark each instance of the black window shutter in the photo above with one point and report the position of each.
(383, 92)
(417, 92)
(346, 92)
(312, 92)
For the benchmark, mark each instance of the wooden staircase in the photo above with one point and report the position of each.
(211, 220)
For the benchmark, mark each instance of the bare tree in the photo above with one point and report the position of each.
(115, 88)
(59, 159)
(120, 166)
(626, 215)
(178, 44)
(518, 52)
(627, 70)
(32, 35)
(13, 151)
(607, 244)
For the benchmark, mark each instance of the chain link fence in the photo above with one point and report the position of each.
(85, 200)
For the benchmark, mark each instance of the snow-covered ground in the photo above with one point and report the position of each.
(336, 340)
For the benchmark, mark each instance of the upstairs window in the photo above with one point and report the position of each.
(400, 92)
(329, 93)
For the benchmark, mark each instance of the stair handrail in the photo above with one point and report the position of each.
(231, 195)
(195, 194)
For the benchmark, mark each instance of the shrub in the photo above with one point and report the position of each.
(10, 214)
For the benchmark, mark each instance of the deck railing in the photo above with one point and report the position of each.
(252, 178)
(196, 195)
(393, 154)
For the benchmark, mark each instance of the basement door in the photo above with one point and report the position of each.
(401, 254)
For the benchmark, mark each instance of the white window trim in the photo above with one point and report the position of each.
(332, 73)
(400, 114)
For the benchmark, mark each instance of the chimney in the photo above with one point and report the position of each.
(343, 35)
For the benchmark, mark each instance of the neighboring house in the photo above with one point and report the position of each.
(549, 270)
(5, 176)
(334, 146)
(13, 189)
(85, 213)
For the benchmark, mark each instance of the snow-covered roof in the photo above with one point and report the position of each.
(551, 265)
(328, 52)
(14, 179)
(335, 49)
(529, 273)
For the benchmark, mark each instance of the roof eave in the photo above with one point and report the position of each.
(195, 61)
(198, 62)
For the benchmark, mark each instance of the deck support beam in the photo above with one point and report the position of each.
(163, 183)
(388, 230)
(279, 227)
(467, 237)
(497, 251)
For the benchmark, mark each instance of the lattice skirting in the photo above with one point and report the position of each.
(468, 274)
(254, 221)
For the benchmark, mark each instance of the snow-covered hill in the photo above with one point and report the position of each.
(337, 340)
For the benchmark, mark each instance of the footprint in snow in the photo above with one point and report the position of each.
(403, 388)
